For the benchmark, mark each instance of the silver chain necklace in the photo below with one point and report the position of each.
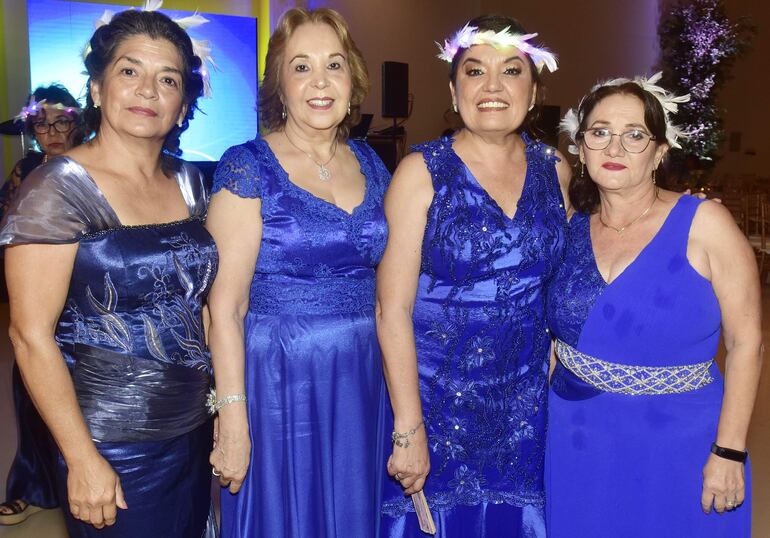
(324, 174)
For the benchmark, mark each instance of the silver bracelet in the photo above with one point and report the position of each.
(215, 405)
(402, 439)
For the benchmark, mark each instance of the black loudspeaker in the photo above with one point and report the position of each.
(395, 90)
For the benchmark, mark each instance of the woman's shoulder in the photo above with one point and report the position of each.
(241, 168)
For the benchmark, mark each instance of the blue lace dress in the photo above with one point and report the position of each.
(131, 335)
(482, 350)
(636, 395)
(313, 367)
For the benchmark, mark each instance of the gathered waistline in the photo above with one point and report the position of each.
(634, 380)
(341, 295)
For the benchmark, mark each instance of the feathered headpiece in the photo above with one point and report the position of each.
(33, 108)
(468, 36)
(570, 124)
(201, 48)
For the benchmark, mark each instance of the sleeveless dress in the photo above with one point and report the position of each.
(482, 350)
(636, 395)
(131, 335)
(313, 367)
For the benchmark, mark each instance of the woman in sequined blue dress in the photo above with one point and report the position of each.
(108, 266)
(298, 220)
(477, 226)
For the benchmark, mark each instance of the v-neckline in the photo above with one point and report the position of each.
(473, 180)
(638, 256)
(312, 197)
(115, 216)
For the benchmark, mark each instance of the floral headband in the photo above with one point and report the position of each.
(201, 48)
(570, 124)
(33, 108)
(468, 36)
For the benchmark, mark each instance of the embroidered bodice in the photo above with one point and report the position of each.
(479, 322)
(314, 257)
(136, 292)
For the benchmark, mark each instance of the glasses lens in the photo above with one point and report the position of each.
(635, 141)
(62, 125)
(597, 138)
(40, 127)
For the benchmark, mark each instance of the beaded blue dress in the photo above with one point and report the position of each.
(313, 366)
(636, 395)
(482, 350)
(131, 335)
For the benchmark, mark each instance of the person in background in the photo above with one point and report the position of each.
(52, 117)
(477, 224)
(645, 437)
(297, 216)
(108, 267)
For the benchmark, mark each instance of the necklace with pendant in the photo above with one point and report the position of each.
(324, 174)
(637, 219)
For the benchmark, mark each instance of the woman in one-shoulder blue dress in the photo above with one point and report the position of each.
(645, 438)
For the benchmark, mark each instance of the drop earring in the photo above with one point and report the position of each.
(582, 169)
(283, 113)
(348, 108)
(653, 176)
(454, 107)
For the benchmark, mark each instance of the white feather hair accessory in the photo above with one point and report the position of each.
(570, 124)
(468, 36)
(201, 48)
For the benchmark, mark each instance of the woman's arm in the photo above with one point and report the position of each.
(236, 225)
(38, 277)
(729, 261)
(406, 207)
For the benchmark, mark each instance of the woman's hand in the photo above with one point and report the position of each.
(94, 492)
(232, 448)
(411, 465)
(723, 484)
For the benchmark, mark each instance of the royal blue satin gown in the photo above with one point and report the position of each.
(131, 335)
(482, 350)
(636, 395)
(313, 367)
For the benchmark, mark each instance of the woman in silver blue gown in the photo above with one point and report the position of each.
(108, 266)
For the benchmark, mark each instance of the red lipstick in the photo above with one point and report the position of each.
(614, 166)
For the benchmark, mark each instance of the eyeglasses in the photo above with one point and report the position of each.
(633, 141)
(62, 125)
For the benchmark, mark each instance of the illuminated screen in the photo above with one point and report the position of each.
(59, 30)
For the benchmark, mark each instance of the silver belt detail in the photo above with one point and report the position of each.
(634, 380)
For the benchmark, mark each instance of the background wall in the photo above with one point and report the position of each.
(746, 99)
(593, 38)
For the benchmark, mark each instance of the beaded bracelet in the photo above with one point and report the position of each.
(402, 439)
(215, 405)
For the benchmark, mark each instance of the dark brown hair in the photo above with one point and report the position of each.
(498, 23)
(583, 192)
(270, 104)
(130, 23)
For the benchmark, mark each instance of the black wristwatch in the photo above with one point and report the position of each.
(729, 453)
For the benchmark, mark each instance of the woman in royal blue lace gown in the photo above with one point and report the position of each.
(637, 399)
(298, 219)
(108, 267)
(476, 230)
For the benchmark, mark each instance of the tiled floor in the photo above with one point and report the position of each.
(49, 523)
